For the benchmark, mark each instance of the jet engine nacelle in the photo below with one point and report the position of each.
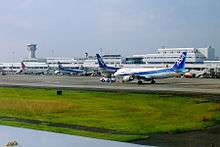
(56, 72)
(128, 78)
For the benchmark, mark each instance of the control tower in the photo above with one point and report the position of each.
(32, 50)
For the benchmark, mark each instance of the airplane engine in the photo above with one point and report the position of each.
(56, 72)
(188, 75)
(128, 78)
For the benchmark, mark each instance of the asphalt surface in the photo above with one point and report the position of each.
(204, 138)
(173, 85)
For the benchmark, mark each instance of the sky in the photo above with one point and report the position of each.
(72, 27)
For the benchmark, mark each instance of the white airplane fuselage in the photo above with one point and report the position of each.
(147, 73)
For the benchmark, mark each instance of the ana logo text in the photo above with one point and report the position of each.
(179, 61)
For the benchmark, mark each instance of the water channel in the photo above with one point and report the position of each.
(34, 138)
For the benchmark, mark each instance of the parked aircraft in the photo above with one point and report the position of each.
(147, 74)
(34, 68)
(196, 73)
(104, 67)
(10, 68)
(68, 70)
(107, 70)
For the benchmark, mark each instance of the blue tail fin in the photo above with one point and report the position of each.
(100, 61)
(103, 66)
(23, 66)
(60, 66)
(180, 63)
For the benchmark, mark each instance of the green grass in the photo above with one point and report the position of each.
(135, 115)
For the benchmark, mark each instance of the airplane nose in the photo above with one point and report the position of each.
(116, 74)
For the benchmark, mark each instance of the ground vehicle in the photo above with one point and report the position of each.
(108, 80)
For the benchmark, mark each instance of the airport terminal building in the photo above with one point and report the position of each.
(170, 55)
(197, 59)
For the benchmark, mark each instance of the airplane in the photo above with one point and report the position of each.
(147, 74)
(34, 68)
(10, 68)
(104, 67)
(67, 70)
(195, 73)
(107, 70)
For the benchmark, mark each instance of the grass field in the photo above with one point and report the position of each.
(109, 115)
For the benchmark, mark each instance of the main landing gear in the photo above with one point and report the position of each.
(152, 81)
(140, 82)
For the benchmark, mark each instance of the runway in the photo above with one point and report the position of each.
(173, 85)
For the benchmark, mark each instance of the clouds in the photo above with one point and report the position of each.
(72, 26)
